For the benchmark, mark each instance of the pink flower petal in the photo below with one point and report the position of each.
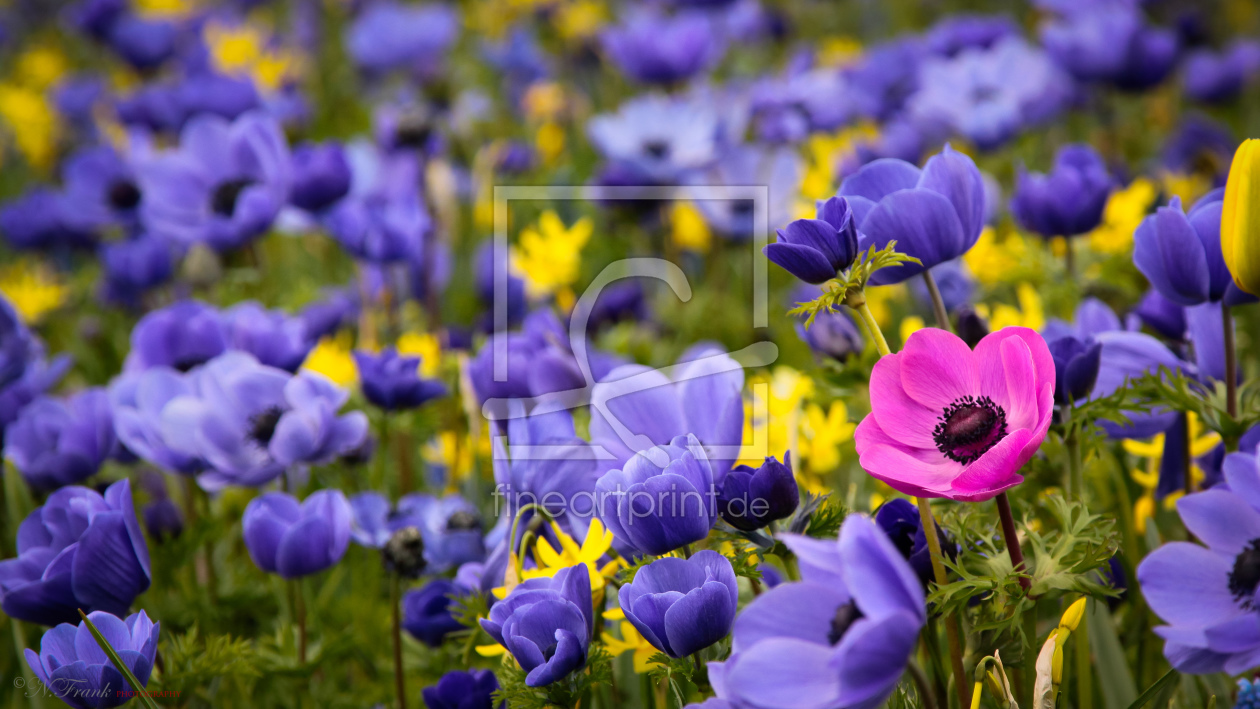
(909, 474)
(1021, 384)
(996, 470)
(937, 367)
(905, 420)
(870, 433)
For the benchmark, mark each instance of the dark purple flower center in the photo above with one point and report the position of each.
(969, 427)
(223, 201)
(124, 195)
(262, 426)
(1246, 574)
(658, 149)
(413, 131)
(461, 521)
(846, 615)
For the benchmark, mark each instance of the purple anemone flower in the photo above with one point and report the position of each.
(1111, 42)
(1180, 253)
(224, 185)
(276, 338)
(1206, 594)
(390, 35)
(1069, 200)
(656, 49)
(382, 219)
(57, 442)
(392, 381)
(934, 214)
(297, 539)
(682, 606)
(182, 336)
(546, 624)
(80, 549)
(250, 422)
(839, 637)
(458, 689)
(72, 666)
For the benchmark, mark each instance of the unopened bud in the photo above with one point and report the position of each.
(404, 553)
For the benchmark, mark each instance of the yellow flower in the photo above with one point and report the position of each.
(549, 141)
(630, 640)
(1124, 212)
(910, 325)
(544, 100)
(33, 289)
(580, 19)
(823, 152)
(1202, 441)
(1240, 218)
(839, 51)
(688, 229)
(993, 260)
(331, 358)
(597, 543)
(157, 9)
(1029, 314)
(40, 67)
(33, 122)
(880, 298)
(243, 50)
(425, 346)
(1189, 187)
(773, 417)
(454, 451)
(550, 255)
(823, 435)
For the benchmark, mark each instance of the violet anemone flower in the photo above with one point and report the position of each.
(80, 549)
(224, 185)
(934, 214)
(949, 422)
(250, 422)
(546, 624)
(181, 336)
(659, 140)
(297, 539)
(1207, 594)
(74, 668)
(655, 49)
(276, 338)
(682, 606)
(1069, 200)
(840, 637)
(57, 442)
(636, 407)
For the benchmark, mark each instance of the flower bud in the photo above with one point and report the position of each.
(1240, 219)
(404, 553)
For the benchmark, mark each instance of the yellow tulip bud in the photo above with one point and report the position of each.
(1056, 661)
(1072, 616)
(1240, 218)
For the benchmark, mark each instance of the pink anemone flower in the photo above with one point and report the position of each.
(949, 422)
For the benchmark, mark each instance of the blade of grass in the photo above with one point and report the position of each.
(145, 699)
(1169, 677)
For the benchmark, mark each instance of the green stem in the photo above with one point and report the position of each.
(1012, 539)
(395, 603)
(1069, 258)
(1075, 473)
(938, 303)
(299, 614)
(1084, 668)
(33, 692)
(921, 683)
(876, 334)
(961, 686)
(931, 641)
(1029, 673)
(1231, 363)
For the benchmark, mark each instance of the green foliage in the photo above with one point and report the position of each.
(469, 609)
(565, 693)
(839, 290)
(825, 522)
(191, 662)
(1065, 557)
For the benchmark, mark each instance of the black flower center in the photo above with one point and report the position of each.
(223, 201)
(658, 149)
(1246, 574)
(984, 94)
(413, 131)
(461, 521)
(263, 425)
(184, 363)
(845, 616)
(969, 427)
(124, 195)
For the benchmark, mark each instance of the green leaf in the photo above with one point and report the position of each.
(1118, 689)
(837, 290)
(119, 665)
(1169, 677)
